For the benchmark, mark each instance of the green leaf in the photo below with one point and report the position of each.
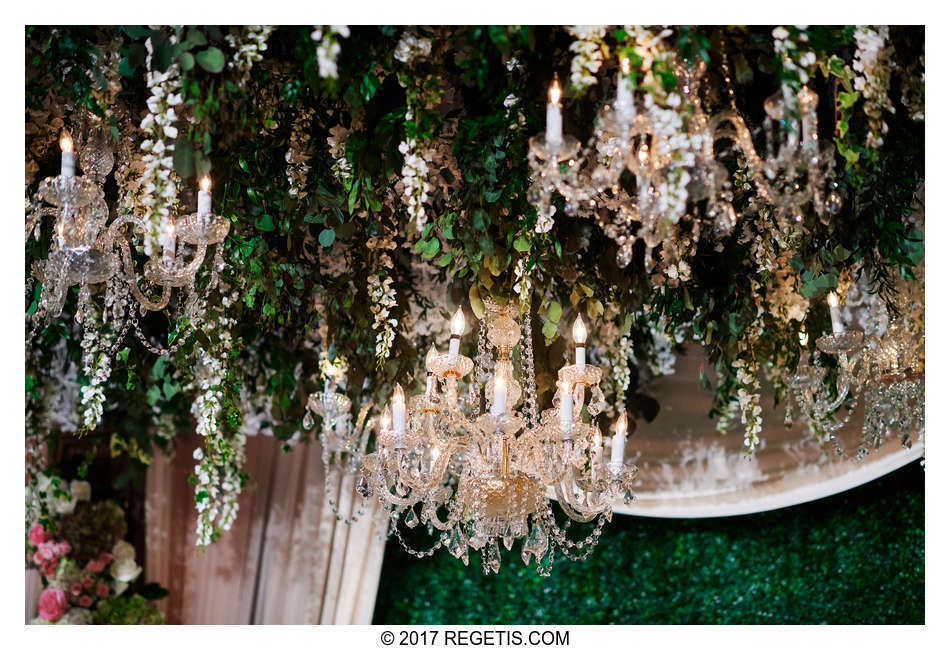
(184, 158)
(430, 248)
(187, 61)
(265, 222)
(211, 59)
(445, 259)
(522, 244)
(327, 236)
(549, 330)
(196, 38)
(554, 312)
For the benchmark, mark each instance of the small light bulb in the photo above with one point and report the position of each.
(458, 322)
(499, 384)
(643, 154)
(170, 229)
(430, 356)
(205, 183)
(386, 420)
(622, 424)
(66, 143)
(625, 65)
(580, 330)
(832, 299)
(554, 95)
(435, 454)
(803, 338)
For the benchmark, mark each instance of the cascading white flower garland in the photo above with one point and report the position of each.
(415, 173)
(382, 297)
(411, 47)
(872, 60)
(248, 50)
(160, 191)
(96, 366)
(748, 397)
(298, 153)
(328, 47)
(588, 49)
(341, 169)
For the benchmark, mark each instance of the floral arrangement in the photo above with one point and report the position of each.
(86, 565)
(421, 201)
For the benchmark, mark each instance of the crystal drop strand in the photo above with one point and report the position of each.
(531, 386)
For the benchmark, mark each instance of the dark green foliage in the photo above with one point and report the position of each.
(852, 558)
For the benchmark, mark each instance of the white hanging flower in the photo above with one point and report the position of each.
(382, 300)
(328, 47)
(411, 47)
(588, 54)
(248, 50)
(872, 60)
(416, 187)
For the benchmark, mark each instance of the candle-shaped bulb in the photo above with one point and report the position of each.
(617, 443)
(204, 196)
(803, 338)
(430, 357)
(68, 160)
(554, 94)
(499, 394)
(625, 65)
(565, 408)
(399, 410)
(598, 439)
(386, 419)
(458, 322)
(837, 325)
(579, 330)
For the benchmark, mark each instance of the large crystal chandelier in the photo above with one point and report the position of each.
(88, 253)
(480, 477)
(671, 149)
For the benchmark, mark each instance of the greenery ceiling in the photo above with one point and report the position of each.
(308, 134)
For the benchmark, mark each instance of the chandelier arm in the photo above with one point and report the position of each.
(568, 506)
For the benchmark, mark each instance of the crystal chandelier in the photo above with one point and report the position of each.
(87, 253)
(671, 148)
(482, 477)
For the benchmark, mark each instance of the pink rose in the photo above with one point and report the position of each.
(105, 558)
(102, 590)
(52, 604)
(37, 558)
(38, 535)
(75, 589)
(95, 566)
(87, 582)
(62, 548)
(50, 567)
(85, 601)
(47, 550)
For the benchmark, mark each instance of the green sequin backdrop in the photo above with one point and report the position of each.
(852, 558)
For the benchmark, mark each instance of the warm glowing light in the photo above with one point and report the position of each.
(170, 229)
(643, 154)
(803, 338)
(832, 299)
(622, 424)
(458, 322)
(554, 95)
(435, 454)
(66, 143)
(386, 420)
(399, 398)
(598, 439)
(499, 384)
(430, 356)
(625, 65)
(565, 386)
(205, 183)
(580, 330)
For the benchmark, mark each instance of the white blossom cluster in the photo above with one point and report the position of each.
(415, 173)
(382, 296)
(588, 49)
(328, 47)
(248, 50)
(748, 397)
(796, 59)
(96, 366)
(663, 361)
(160, 191)
(872, 60)
(647, 47)
(785, 301)
(545, 219)
(411, 47)
(59, 391)
(522, 280)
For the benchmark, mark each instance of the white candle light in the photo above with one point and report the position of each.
(580, 337)
(430, 359)
(399, 411)
(617, 443)
(457, 326)
(386, 420)
(499, 395)
(168, 244)
(837, 325)
(204, 196)
(623, 105)
(598, 445)
(68, 161)
(553, 135)
(566, 408)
